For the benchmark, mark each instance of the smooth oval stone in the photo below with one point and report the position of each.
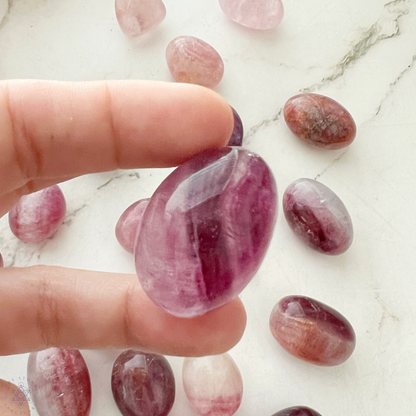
(255, 14)
(318, 217)
(59, 382)
(193, 61)
(206, 230)
(213, 385)
(37, 216)
(320, 121)
(143, 384)
(136, 17)
(129, 223)
(236, 138)
(297, 411)
(312, 331)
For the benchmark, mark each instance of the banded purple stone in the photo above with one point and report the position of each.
(206, 231)
(143, 384)
(236, 138)
(318, 217)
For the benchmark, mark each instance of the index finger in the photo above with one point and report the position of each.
(51, 130)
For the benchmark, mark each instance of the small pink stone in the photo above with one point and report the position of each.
(59, 382)
(319, 121)
(193, 61)
(312, 331)
(37, 216)
(255, 14)
(213, 385)
(136, 17)
(129, 224)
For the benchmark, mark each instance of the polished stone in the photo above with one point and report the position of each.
(297, 411)
(206, 230)
(194, 61)
(37, 216)
(255, 14)
(318, 217)
(136, 17)
(213, 385)
(312, 331)
(236, 138)
(59, 382)
(143, 384)
(129, 223)
(319, 121)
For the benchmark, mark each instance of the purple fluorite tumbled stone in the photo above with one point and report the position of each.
(317, 216)
(143, 384)
(206, 230)
(236, 138)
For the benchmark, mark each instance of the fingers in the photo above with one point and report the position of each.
(44, 306)
(54, 130)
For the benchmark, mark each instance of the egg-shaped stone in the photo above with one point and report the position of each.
(194, 61)
(59, 382)
(318, 216)
(319, 121)
(206, 230)
(213, 385)
(312, 331)
(143, 384)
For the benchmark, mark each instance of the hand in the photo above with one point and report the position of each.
(53, 131)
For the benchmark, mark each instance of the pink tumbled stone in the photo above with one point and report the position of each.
(193, 61)
(143, 384)
(255, 14)
(206, 231)
(318, 217)
(129, 223)
(312, 331)
(319, 121)
(136, 17)
(213, 385)
(59, 382)
(37, 216)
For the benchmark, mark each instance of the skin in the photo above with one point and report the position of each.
(54, 131)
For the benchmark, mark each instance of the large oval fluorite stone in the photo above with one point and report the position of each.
(206, 230)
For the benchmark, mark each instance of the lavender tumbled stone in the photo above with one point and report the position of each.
(206, 230)
(236, 138)
(318, 217)
(143, 384)
(297, 411)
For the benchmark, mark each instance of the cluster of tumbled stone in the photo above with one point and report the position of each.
(191, 59)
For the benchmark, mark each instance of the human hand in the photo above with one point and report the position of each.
(53, 131)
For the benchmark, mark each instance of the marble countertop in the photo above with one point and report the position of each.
(362, 53)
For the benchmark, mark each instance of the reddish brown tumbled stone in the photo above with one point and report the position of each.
(319, 121)
(312, 331)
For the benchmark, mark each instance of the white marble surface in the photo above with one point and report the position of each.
(359, 52)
